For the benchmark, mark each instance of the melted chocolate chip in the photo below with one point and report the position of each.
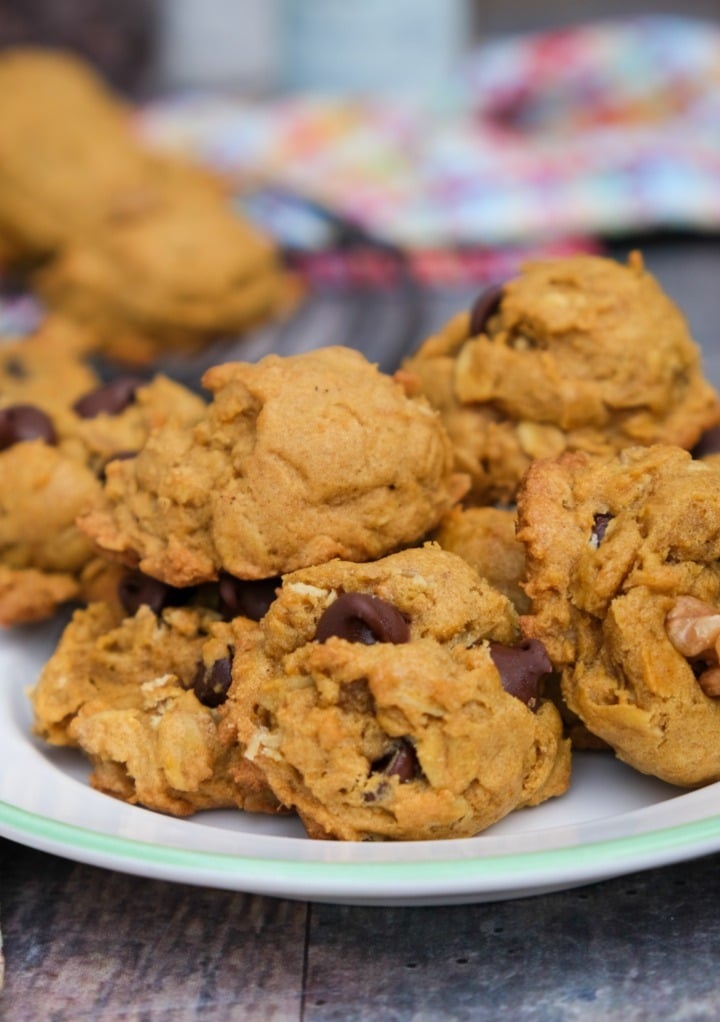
(521, 668)
(484, 306)
(117, 456)
(110, 398)
(211, 684)
(709, 443)
(136, 589)
(15, 367)
(401, 762)
(600, 524)
(24, 422)
(360, 617)
(241, 598)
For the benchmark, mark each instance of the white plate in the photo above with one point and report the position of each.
(612, 821)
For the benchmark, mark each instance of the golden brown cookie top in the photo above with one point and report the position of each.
(595, 528)
(139, 695)
(580, 353)
(296, 461)
(374, 700)
(46, 368)
(485, 538)
(60, 426)
(617, 549)
(139, 287)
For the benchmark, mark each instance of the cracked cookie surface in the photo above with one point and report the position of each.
(59, 428)
(613, 545)
(297, 460)
(581, 353)
(132, 694)
(373, 704)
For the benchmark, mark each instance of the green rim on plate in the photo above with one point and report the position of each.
(624, 854)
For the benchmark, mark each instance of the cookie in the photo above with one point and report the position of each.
(485, 538)
(60, 427)
(139, 697)
(297, 460)
(170, 280)
(580, 353)
(614, 546)
(144, 249)
(68, 157)
(379, 703)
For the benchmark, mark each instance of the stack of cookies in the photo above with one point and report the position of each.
(393, 605)
(284, 638)
(573, 396)
(143, 249)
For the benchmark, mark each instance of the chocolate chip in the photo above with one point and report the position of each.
(401, 762)
(136, 590)
(211, 684)
(698, 666)
(600, 524)
(242, 598)
(485, 306)
(111, 398)
(521, 668)
(24, 422)
(117, 456)
(15, 367)
(709, 443)
(360, 617)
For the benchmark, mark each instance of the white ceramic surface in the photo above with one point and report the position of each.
(613, 821)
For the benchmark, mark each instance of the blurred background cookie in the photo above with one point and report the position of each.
(142, 247)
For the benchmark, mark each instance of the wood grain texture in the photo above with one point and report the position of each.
(84, 943)
(634, 949)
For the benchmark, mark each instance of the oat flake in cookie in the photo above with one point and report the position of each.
(297, 460)
(623, 569)
(139, 695)
(580, 353)
(397, 700)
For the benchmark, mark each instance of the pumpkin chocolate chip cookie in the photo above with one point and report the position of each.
(621, 552)
(580, 353)
(396, 700)
(297, 460)
(60, 427)
(139, 696)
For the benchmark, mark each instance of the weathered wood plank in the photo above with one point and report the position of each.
(636, 948)
(84, 943)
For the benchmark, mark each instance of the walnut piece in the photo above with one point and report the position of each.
(693, 628)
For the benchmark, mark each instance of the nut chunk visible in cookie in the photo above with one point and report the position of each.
(139, 696)
(621, 552)
(397, 700)
(297, 460)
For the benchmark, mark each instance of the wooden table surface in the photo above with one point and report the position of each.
(83, 943)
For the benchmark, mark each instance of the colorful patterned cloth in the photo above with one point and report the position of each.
(541, 145)
(597, 130)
